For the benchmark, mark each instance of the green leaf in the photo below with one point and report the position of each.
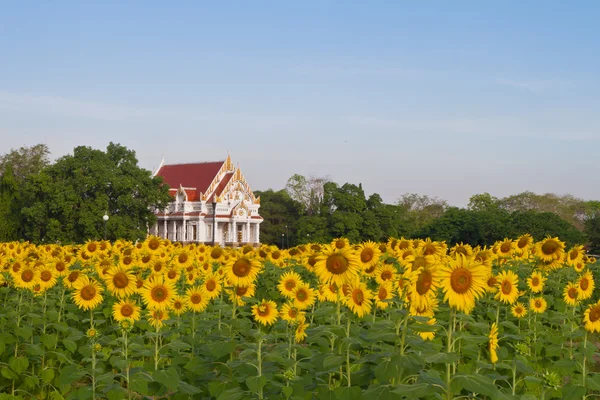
(442, 358)
(415, 390)
(168, 378)
(69, 345)
(593, 382)
(221, 349)
(348, 393)
(332, 361)
(255, 383)
(47, 375)
(18, 364)
(69, 374)
(235, 393)
(480, 384)
(287, 391)
(179, 345)
(188, 389)
(8, 373)
(50, 340)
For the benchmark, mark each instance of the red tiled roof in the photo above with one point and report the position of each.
(197, 175)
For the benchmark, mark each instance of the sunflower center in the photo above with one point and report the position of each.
(386, 275)
(340, 244)
(358, 296)
(46, 276)
(172, 274)
(182, 258)
(538, 304)
(120, 280)
(535, 281)
(263, 310)
(127, 260)
(88, 292)
(382, 294)
(153, 244)
(505, 248)
(506, 287)
(312, 260)
(460, 280)
(492, 281)
(241, 268)
(60, 266)
(158, 266)
(418, 263)
(293, 313)
(146, 259)
(216, 253)
(366, 255)
(550, 247)
(211, 285)
(301, 295)
(337, 264)
(584, 283)
(195, 298)
(92, 247)
(462, 250)
(27, 275)
(370, 269)
(519, 310)
(276, 255)
(522, 243)
(424, 282)
(574, 254)
(159, 294)
(126, 310)
(594, 314)
(290, 285)
(572, 293)
(73, 276)
(241, 290)
(178, 305)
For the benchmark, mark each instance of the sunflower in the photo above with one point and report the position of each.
(504, 248)
(430, 248)
(242, 270)
(575, 255)
(179, 305)
(463, 282)
(425, 310)
(385, 273)
(579, 267)
(338, 266)
(538, 305)
(72, 277)
(508, 285)
(304, 296)
(120, 281)
(239, 292)
(265, 312)
(571, 294)
(87, 294)
(484, 256)
(26, 277)
(90, 249)
(340, 243)
(212, 285)
(491, 284)
(536, 282)
(591, 318)
(428, 335)
(47, 277)
(518, 310)
(385, 292)
(359, 298)
(196, 299)
(550, 249)
(368, 254)
(60, 266)
(586, 285)
(216, 254)
(288, 283)
(291, 313)
(183, 258)
(300, 333)
(493, 343)
(158, 293)
(126, 309)
(424, 286)
(523, 244)
(464, 249)
(156, 318)
(328, 292)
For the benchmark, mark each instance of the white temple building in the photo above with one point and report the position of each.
(212, 203)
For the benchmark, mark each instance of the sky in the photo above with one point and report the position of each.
(447, 99)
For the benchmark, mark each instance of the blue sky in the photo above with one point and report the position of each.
(446, 99)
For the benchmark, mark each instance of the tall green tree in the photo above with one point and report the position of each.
(280, 216)
(66, 201)
(25, 161)
(9, 206)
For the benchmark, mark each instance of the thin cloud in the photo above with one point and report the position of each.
(347, 71)
(534, 85)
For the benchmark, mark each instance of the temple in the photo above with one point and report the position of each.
(212, 204)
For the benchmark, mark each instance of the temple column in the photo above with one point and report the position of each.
(184, 238)
(164, 236)
(174, 232)
(248, 231)
(257, 233)
(231, 232)
(234, 232)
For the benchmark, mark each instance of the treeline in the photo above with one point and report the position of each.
(313, 209)
(65, 201)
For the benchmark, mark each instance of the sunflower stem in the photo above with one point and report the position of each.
(449, 347)
(348, 353)
(498, 313)
(156, 348)
(583, 372)
(193, 333)
(62, 303)
(259, 362)
(404, 329)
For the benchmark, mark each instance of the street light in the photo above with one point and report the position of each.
(105, 218)
(287, 238)
(282, 237)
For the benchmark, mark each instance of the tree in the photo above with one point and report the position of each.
(484, 201)
(9, 206)
(418, 210)
(278, 210)
(65, 202)
(592, 232)
(307, 191)
(25, 161)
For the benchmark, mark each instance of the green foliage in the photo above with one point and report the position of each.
(278, 210)
(65, 202)
(592, 231)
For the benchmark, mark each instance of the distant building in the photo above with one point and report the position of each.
(200, 189)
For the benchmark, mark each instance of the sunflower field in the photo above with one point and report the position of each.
(406, 319)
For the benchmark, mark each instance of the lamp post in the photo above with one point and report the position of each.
(282, 238)
(308, 238)
(214, 232)
(105, 218)
(287, 237)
